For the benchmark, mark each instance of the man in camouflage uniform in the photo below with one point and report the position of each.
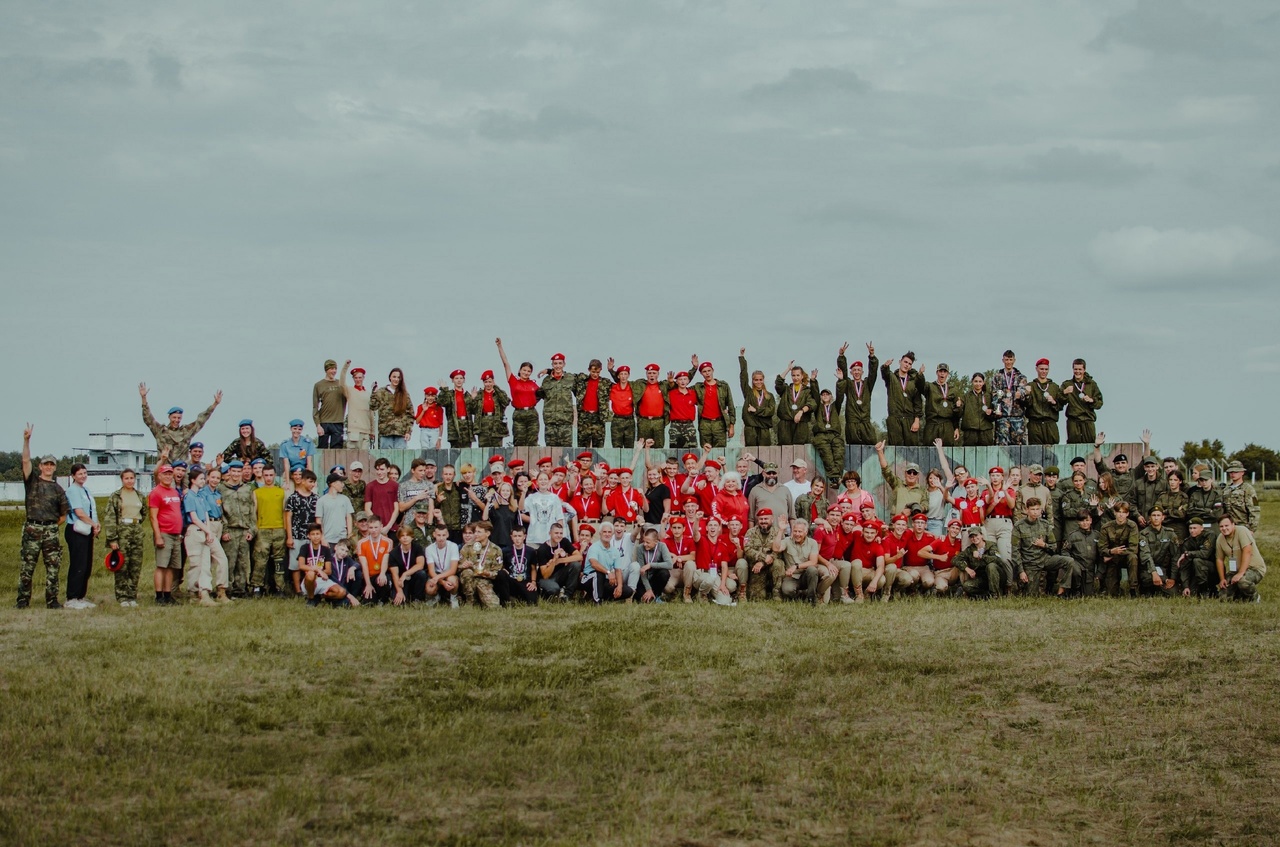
(1119, 542)
(1044, 407)
(684, 431)
(478, 566)
(942, 415)
(1159, 550)
(909, 493)
(556, 394)
(354, 489)
(1205, 503)
(649, 391)
(1146, 489)
(175, 437)
(1009, 393)
(592, 391)
(762, 548)
(1081, 544)
(758, 406)
(453, 397)
(1124, 475)
(1083, 399)
(126, 534)
(47, 508)
(1034, 487)
(1196, 564)
(827, 434)
(716, 413)
(1239, 500)
(906, 389)
(240, 519)
(488, 408)
(1033, 545)
(858, 428)
(1054, 507)
(980, 567)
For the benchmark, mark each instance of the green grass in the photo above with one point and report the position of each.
(916, 723)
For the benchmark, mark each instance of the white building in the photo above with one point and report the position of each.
(111, 452)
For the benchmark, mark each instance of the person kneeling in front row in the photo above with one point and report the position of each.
(315, 562)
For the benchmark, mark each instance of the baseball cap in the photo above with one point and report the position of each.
(48, 460)
(356, 466)
(770, 466)
(798, 463)
(362, 515)
(329, 363)
(912, 466)
(1152, 460)
(161, 469)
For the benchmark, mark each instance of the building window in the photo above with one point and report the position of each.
(102, 460)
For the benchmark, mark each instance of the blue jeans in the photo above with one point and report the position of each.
(392, 442)
(937, 527)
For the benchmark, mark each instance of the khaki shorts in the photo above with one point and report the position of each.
(170, 555)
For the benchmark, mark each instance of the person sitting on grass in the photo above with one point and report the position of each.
(981, 575)
(479, 565)
(602, 576)
(315, 563)
(442, 567)
(941, 554)
(346, 570)
(408, 565)
(374, 552)
(868, 571)
(1240, 563)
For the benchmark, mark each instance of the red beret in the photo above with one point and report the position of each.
(586, 527)
(431, 389)
(622, 470)
(919, 516)
(684, 523)
(856, 365)
(953, 522)
(545, 460)
(1040, 362)
(766, 512)
(849, 516)
(996, 469)
(487, 375)
(652, 367)
(355, 371)
(684, 374)
(585, 454)
(971, 480)
(873, 524)
(687, 456)
(560, 469)
(515, 463)
(712, 463)
(606, 470)
(557, 357)
(705, 365)
(493, 459)
(458, 372)
(622, 368)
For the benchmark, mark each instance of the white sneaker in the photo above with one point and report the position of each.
(73, 604)
(88, 605)
(453, 602)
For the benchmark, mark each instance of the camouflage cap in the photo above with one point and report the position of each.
(912, 466)
(1235, 467)
(362, 515)
(1036, 469)
(770, 466)
(48, 460)
(330, 363)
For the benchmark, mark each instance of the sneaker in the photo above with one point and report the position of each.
(846, 600)
(222, 596)
(857, 598)
(453, 602)
(433, 600)
(23, 604)
(313, 602)
(86, 604)
(75, 604)
(256, 594)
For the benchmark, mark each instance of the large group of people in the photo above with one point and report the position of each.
(663, 527)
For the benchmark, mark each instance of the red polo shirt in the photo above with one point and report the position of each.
(524, 392)
(651, 401)
(711, 556)
(684, 405)
(621, 400)
(866, 551)
(711, 401)
(914, 545)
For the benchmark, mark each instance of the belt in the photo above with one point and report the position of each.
(43, 523)
(130, 521)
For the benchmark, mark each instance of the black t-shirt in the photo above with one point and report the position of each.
(543, 554)
(655, 496)
(503, 519)
(315, 555)
(518, 562)
(402, 560)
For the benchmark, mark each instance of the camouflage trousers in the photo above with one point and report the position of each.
(490, 430)
(713, 432)
(655, 428)
(622, 433)
(830, 449)
(1042, 432)
(683, 434)
(269, 553)
(132, 542)
(38, 540)
(859, 431)
(985, 584)
(1246, 589)
(477, 590)
(900, 434)
(1011, 431)
(238, 564)
(591, 430)
(940, 429)
(1080, 432)
(756, 436)
(768, 582)
(524, 428)
(559, 434)
(461, 435)
(790, 432)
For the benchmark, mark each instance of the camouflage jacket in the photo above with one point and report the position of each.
(355, 493)
(972, 416)
(239, 506)
(471, 558)
(603, 386)
(759, 544)
(724, 400)
(460, 429)
(904, 402)
(1175, 505)
(1077, 409)
(1084, 548)
(389, 423)
(826, 421)
(935, 410)
(1010, 392)
(853, 410)
(1204, 506)
(1159, 549)
(1025, 550)
(256, 450)
(1145, 492)
(178, 441)
(1241, 503)
(765, 406)
(111, 516)
(1114, 534)
(475, 405)
(557, 399)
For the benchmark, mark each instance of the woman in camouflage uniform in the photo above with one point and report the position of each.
(394, 410)
(123, 528)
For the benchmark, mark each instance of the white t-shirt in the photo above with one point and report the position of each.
(439, 560)
(331, 512)
(544, 510)
(798, 489)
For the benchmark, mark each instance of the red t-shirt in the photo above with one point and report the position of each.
(866, 551)
(711, 401)
(651, 401)
(705, 493)
(971, 511)
(459, 404)
(914, 545)
(684, 405)
(430, 415)
(588, 507)
(629, 503)
(726, 506)
(621, 400)
(381, 497)
(834, 544)
(681, 548)
(678, 496)
(524, 392)
(1000, 508)
(945, 547)
(166, 503)
(711, 556)
(591, 399)
(486, 404)
(893, 545)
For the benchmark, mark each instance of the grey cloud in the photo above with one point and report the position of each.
(551, 123)
(1071, 164)
(34, 71)
(848, 213)
(166, 71)
(800, 83)
(1170, 26)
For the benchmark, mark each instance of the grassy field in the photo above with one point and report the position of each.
(917, 723)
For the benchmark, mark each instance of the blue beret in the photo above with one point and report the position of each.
(195, 444)
(179, 464)
(246, 422)
(235, 463)
(296, 422)
(223, 468)
(257, 463)
(175, 410)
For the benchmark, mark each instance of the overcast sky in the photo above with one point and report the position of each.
(209, 196)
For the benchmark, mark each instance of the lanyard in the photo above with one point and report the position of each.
(406, 556)
(1009, 379)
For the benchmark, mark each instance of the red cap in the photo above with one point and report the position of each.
(652, 367)
(486, 375)
(678, 521)
(458, 372)
(431, 389)
(1040, 362)
(557, 357)
(900, 517)
(585, 454)
(953, 522)
(687, 456)
(856, 365)
(705, 365)
(766, 512)
(874, 524)
(165, 469)
(712, 463)
(996, 469)
(545, 460)
(355, 371)
(493, 459)
(560, 469)
(515, 463)
(919, 516)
